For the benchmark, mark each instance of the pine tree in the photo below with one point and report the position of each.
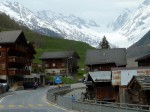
(104, 44)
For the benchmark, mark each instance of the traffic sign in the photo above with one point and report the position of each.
(57, 79)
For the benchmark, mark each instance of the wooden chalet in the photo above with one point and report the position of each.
(99, 63)
(139, 90)
(122, 76)
(143, 60)
(99, 86)
(60, 63)
(16, 56)
(105, 59)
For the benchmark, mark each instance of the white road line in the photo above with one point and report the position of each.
(55, 105)
(11, 95)
(4, 98)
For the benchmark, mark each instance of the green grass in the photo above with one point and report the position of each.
(47, 44)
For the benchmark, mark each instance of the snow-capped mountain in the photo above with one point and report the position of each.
(138, 24)
(25, 17)
(127, 29)
(53, 24)
(120, 21)
(71, 19)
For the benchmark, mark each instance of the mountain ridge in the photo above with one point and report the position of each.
(74, 28)
(57, 28)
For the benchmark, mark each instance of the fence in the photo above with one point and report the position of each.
(54, 95)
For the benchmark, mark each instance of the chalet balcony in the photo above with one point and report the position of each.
(15, 59)
(15, 72)
(2, 49)
(20, 48)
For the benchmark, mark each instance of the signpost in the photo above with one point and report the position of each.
(58, 80)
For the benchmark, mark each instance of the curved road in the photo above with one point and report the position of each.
(29, 101)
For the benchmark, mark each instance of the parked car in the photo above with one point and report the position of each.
(27, 85)
(4, 86)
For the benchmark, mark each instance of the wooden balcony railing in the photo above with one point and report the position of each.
(3, 49)
(16, 59)
(20, 48)
(15, 72)
(16, 47)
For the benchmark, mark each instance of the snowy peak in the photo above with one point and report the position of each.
(71, 19)
(146, 2)
(24, 16)
(15, 8)
(138, 24)
(52, 24)
(121, 20)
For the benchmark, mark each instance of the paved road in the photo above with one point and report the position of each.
(29, 101)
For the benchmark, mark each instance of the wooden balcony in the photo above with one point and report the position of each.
(20, 48)
(15, 59)
(2, 49)
(15, 72)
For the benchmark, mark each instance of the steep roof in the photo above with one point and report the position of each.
(138, 51)
(9, 36)
(59, 54)
(147, 56)
(100, 76)
(143, 81)
(105, 56)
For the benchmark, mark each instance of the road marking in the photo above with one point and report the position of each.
(30, 105)
(20, 106)
(49, 105)
(1, 106)
(11, 106)
(40, 105)
(4, 98)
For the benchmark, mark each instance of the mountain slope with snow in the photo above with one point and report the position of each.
(71, 27)
(126, 30)
(138, 24)
(25, 17)
(120, 20)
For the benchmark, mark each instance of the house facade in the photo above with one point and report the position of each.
(16, 56)
(62, 63)
(99, 86)
(99, 63)
(105, 59)
(139, 90)
(122, 76)
(144, 60)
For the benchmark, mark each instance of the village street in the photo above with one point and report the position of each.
(29, 101)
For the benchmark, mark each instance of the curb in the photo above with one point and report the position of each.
(6, 94)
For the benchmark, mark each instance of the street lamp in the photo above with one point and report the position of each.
(68, 68)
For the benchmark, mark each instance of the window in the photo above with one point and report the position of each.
(2, 66)
(46, 65)
(53, 64)
(63, 64)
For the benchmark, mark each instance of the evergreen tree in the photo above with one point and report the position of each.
(104, 44)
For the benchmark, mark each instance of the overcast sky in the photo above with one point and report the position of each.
(102, 11)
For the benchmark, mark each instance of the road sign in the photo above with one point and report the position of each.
(57, 79)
